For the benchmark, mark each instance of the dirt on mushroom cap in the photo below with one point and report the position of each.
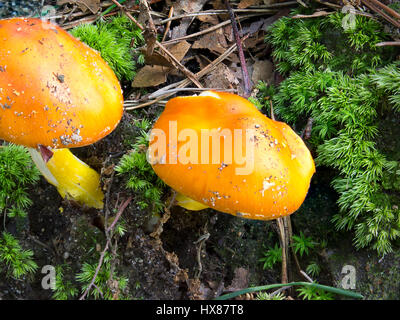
(54, 90)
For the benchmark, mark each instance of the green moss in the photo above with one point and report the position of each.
(17, 173)
(16, 261)
(139, 174)
(348, 86)
(116, 40)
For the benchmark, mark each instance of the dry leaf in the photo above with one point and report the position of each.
(240, 280)
(210, 18)
(243, 4)
(92, 5)
(156, 59)
(214, 41)
(218, 4)
(179, 49)
(185, 6)
(263, 70)
(229, 33)
(222, 77)
(150, 76)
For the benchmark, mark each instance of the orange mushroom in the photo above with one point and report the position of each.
(220, 151)
(57, 92)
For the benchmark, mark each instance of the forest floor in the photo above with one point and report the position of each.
(191, 255)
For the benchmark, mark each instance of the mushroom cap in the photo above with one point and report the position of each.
(54, 89)
(278, 175)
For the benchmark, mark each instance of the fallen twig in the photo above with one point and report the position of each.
(245, 74)
(211, 29)
(389, 10)
(177, 64)
(380, 8)
(314, 15)
(216, 12)
(100, 263)
(183, 83)
(170, 14)
(200, 243)
(388, 43)
(174, 90)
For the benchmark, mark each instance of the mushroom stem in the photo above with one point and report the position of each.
(73, 178)
(188, 203)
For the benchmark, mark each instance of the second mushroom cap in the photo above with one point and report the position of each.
(219, 150)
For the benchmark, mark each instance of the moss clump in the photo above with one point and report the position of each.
(116, 40)
(17, 172)
(139, 174)
(16, 261)
(348, 86)
(323, 43)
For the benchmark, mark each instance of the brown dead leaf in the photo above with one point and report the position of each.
(179, 50)
(243, 4)
(263, 70)
(107, 171)
(214, 41)
(210, 18)
(150, 76)
(221, 77)
(229, 33)
(181, 275)
(156, 59)
(83, 5)
(199, 291)
(218, 4)
(182, 7)
(240, 280)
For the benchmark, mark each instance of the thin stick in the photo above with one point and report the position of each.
(386, 8)
(185, 82)
(332, 5)
(211, 29)
(384, 15)
(245, 74)
(121, 209)
(305, 275)
(179, 66)
(216, 12)
(170, 14)
(200, 243)
(388, 43)
(119, 213)
(174, 90)
(283, 242)
(314, 15)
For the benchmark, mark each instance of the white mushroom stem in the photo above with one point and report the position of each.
(73, 178)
